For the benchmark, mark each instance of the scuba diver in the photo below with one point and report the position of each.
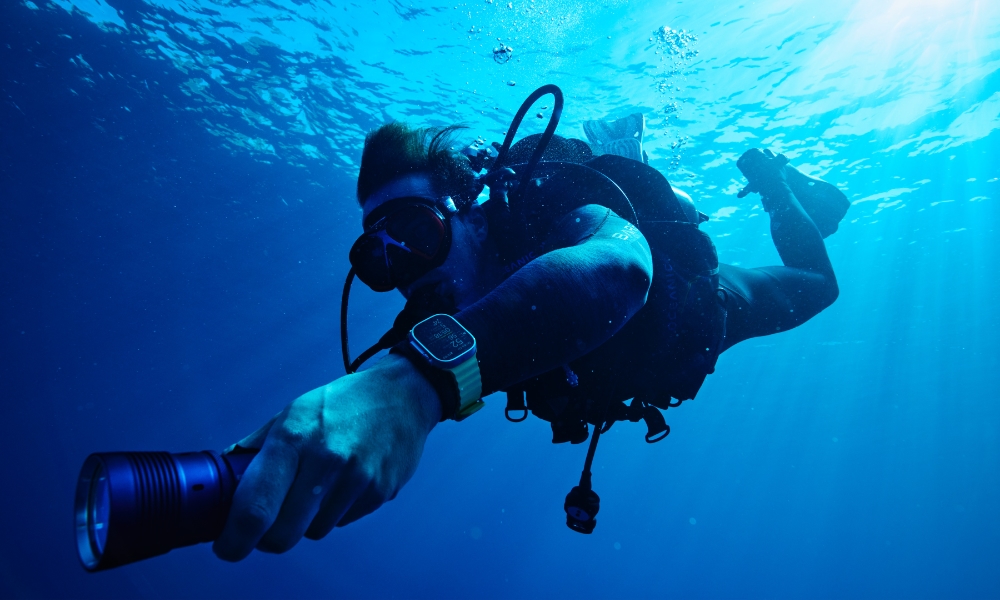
(583, 288)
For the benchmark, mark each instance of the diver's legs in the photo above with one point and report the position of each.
(768, 300)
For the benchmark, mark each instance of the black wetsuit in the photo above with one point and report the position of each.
(568, 305)
(599, 305)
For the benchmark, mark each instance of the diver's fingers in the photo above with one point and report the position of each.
(769, 153)
(258, 499)
(344, 493)
(744, 192)
(366, 504)
(317, 475)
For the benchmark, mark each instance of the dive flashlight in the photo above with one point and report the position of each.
(135, 505)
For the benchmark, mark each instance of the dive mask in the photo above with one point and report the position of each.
(404, 239)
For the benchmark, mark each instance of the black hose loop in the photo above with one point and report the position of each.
(550, 130)
(344, 349)
(543, 142)
(364, 356)
(519, 116)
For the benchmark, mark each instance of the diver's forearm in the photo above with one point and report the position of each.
(795, 236)
(409, 387)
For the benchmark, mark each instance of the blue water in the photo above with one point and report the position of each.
(176, 206)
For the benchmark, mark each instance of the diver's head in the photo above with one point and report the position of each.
(423, 226)
(395, 150)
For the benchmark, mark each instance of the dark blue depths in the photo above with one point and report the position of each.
(155, 294)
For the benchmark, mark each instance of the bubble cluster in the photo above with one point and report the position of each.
(675, 43)
(502, 53)
(675, 152)
(676, 49)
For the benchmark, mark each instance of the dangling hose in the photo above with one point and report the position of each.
(390, 339)
(585, 477)
(344, 350)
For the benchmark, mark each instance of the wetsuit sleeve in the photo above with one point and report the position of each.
(594, 275)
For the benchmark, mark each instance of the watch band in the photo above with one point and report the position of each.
(442, 381)
(470, 387)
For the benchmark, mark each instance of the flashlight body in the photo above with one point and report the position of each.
(135, 505)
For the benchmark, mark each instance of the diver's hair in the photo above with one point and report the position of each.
(394, 150)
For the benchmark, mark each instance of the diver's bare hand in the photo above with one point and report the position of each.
(331, 457)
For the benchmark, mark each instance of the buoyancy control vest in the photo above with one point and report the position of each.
(685, 273)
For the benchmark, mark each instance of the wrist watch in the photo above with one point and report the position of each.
(441, 344)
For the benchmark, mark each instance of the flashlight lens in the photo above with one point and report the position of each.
(98, 510)
(93, 509)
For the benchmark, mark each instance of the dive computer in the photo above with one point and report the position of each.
(441, 343)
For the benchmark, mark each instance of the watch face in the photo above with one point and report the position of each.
(444, 338)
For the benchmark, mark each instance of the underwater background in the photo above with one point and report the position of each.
(176, 206)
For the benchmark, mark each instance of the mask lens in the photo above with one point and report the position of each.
(418, 229)
(401, 250)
